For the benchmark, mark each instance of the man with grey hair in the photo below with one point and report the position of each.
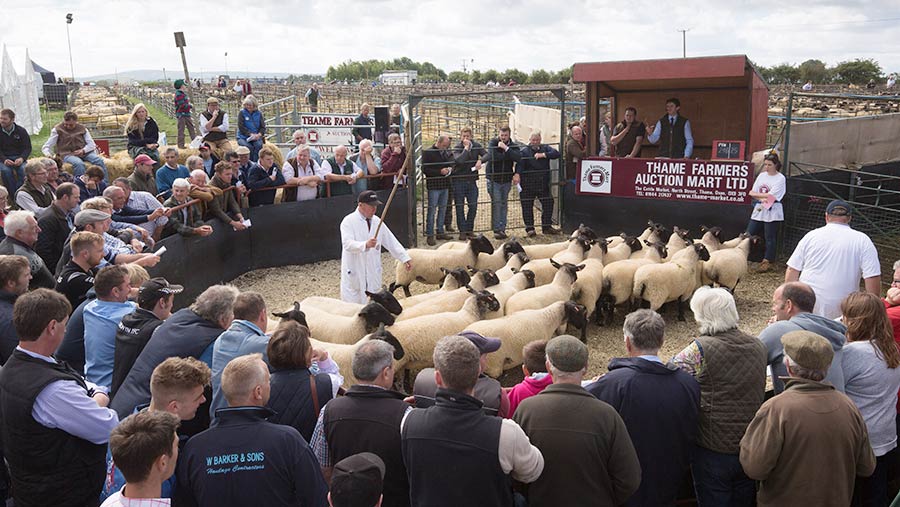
(188, 220)
(454, 453)
(792, 310)
(366, 419)
(140, 200)
(341, 173)
(587, 457)
(244, 459)
(808, 435)
(659, 404)
(730, 366)
(299, 138)
(35, 194)
(189, 332)
(21, 229)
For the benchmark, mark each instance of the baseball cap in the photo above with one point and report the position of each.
(143, 159)
(179, 83)
(156, 288)
(368, 197)
(212, 100)
(357, 480)
(839, 208)
(242, 150)
(204, 146)
(485, 345)
(567, 353)
(89, 216)
(808, 349)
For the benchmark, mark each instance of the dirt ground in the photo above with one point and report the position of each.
(282, 286)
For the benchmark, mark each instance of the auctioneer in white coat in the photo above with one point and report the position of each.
(361, 252)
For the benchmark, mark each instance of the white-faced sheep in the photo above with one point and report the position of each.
(453, 300)
(657, 284)
(513, 265)
(456, 278)
(339, 307)
(521, 328)
(560, 289)
(501, 254)
(426, 264)
(727, 266)
(617, 281)
(332, 328)
(420, 335)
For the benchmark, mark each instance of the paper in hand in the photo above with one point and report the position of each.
(770, 200)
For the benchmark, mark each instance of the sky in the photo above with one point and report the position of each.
(303, 36)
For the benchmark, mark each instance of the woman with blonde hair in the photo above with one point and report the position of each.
(143, 134)
(871, 364)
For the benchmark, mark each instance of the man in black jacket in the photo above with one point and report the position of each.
(15, 148)
(21, 235)
(367, 419)
(467, 157)
(502, 155)
(56, 224)
(533, 177)
(244, 459)
(437, 164)
(659, 404)
(155, 300)
(77, 277)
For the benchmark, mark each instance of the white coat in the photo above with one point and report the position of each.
(361, 267)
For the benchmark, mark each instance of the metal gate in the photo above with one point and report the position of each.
(432, 115)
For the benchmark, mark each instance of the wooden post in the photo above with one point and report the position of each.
(180, 44)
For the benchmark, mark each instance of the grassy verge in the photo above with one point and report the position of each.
(166, 124)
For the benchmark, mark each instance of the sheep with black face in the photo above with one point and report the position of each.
(427, 264)
(332, 328)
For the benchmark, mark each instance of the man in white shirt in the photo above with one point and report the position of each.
(831, 260)
(214, 128)
(361, 250)
(304, 172)
(73, 142)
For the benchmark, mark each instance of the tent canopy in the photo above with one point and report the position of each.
(20, 91)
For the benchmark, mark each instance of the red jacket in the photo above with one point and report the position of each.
(893, 313)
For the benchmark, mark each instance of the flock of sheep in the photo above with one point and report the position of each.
(521, 293)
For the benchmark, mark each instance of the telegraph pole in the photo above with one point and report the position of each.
(69, 39)
(180, 44)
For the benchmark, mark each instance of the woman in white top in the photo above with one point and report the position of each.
(871, 364)
(767, 192)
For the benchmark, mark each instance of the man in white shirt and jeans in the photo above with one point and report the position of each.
(361, 250)
(831, 260)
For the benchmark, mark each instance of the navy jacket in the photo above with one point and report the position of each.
(258, 178)
(291, 399)
(184, 334)
(535, 173)
(16, 145)
(501, 164)
(659, 404)
(243, 459)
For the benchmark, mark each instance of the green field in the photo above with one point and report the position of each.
(50, 119)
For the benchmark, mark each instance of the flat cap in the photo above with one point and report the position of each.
(567, 353)
(90, 216)
(808, 349)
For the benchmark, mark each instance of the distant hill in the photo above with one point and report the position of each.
(156, 75)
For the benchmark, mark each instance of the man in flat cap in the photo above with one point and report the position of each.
(357, 481)
(808, 444)
(590, 459)
(831, 260)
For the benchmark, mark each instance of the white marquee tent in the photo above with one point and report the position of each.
(20, 91)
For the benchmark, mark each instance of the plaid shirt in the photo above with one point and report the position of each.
(117, 500)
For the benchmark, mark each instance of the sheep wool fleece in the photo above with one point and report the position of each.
(361, 267)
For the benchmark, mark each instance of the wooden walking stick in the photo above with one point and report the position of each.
(398, 179)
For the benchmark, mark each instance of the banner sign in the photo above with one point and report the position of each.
(320, 128)
(669, 179)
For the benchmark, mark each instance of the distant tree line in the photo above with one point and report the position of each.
(370, 70)
(857, 72)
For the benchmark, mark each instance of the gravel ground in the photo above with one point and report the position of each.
(282, 286)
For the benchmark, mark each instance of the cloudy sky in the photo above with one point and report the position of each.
(307, 36)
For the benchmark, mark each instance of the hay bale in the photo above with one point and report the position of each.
(279, 157)
(112, 121)
(122, 155)
(118, 168)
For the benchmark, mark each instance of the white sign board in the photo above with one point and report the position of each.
(327, 129)
(596, 177)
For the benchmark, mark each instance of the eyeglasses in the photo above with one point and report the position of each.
(895, 282)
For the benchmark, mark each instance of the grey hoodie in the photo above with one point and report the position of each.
(832, 330)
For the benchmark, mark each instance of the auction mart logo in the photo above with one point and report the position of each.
(596, 176)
